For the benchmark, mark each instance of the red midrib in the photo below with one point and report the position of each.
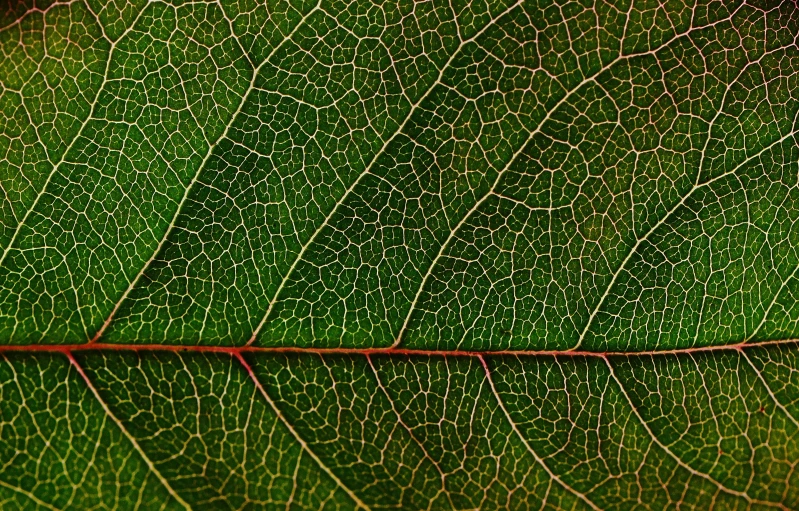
(402, 352)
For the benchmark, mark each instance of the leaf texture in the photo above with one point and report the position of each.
(491, 254)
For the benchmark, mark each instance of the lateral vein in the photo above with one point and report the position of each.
(535, 455)
(676, 458)
(296, 435)
(78, 133)
(125, 432)
(194, 179)
(368, 169)
(507, 166)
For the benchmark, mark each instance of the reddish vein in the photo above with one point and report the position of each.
(401, 352)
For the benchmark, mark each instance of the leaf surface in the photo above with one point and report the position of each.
(415, 255)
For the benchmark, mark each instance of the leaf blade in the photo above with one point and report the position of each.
(417, 255)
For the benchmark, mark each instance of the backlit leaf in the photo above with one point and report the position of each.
(490, 254)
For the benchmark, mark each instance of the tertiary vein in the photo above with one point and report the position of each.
(676, 458)
(410, 432)
(697, 186)
(36, 500)
(527, 445)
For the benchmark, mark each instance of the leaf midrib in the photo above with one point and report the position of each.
(390, 351)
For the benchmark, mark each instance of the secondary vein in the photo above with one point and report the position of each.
(83, 125)
(296, 435)
(676, 458)
(127, 434)
(194, 179)
(535, 455)
(368, 169)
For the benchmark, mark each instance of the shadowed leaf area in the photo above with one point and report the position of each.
(434, 255)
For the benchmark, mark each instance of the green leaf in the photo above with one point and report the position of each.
(428, 255)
